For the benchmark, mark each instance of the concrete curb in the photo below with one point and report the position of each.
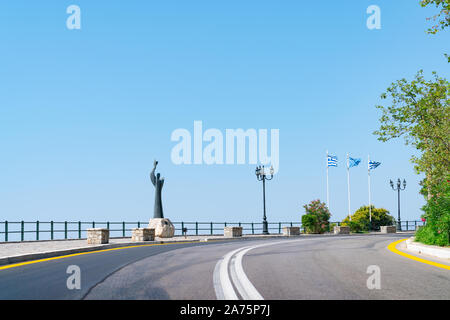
(435, 251)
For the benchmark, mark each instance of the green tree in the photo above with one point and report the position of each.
(437, 214)
(316, 219)
(360, 220)
(442, 18)
(419, 111)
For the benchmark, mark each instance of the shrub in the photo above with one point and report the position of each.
(331, 227)
(316, 219)
(361, 219)
(437, 216)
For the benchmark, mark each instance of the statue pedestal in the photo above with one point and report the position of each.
(163, 227)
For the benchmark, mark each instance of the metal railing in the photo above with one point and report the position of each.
(59, 230)
(411, 225)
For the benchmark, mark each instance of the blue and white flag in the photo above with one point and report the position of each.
(332, 161)
(373, 164)
(352, 162)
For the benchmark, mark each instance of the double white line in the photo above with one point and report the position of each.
(229, 272)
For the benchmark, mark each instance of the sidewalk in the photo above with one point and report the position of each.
(427, 250)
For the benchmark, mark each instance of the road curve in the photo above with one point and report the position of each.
(318, 267)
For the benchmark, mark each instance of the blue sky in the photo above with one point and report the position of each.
(83, 113)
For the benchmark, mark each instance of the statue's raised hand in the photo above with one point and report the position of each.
(155, 163)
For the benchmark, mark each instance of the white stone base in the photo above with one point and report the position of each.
(97, 236)
(142, 234)
(291, 231)
(341, 230)
(232, 232)
(163, 227)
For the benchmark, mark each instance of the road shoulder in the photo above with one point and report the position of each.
(399, 247)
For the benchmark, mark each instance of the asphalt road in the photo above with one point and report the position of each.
(319, 267)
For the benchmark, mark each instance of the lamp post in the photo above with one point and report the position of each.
(398, 189)
(261, 175)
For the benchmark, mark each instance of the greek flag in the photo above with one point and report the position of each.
(332, 161)
(353, 162)
(373, 164)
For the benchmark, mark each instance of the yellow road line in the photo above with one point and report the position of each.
(393, 248)
(89, 252)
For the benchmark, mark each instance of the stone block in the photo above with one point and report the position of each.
(341, 230)
(388, 229)
(142, 234)
(232, 232)
(291, 231)
(97, 236)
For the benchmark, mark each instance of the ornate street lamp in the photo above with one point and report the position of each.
(261, 175)
(398, 189)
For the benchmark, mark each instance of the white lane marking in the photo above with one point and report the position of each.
(222, 283)
(250, 292)
(221, 279)
(235, 280)
(225, 283)
(216, 280)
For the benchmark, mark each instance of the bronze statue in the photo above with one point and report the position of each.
(158, 183)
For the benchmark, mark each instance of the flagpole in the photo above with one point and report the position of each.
(348, 187)
(368, 173)
(328, 193)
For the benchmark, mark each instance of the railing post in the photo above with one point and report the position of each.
(93, 224)
(22, 230)
(6, 231)
(415, 224)
(279, 227)
(407, 225)
(107, 225)
(225, 224)
(291, 224)
(79, 229)
(196, 228)
(182, 227)
(65, 229)
(212, 232)
(139, 224)
(253, 229)
(123, 229)
(51, 230)
(37, 230)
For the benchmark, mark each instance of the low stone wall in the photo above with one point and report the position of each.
(291, 231)
(142, 234)
(388, 229)
(232, 232)
(341, 230)
(97, 236)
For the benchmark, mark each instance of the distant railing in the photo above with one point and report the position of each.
(411, 225)
(57, 230)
